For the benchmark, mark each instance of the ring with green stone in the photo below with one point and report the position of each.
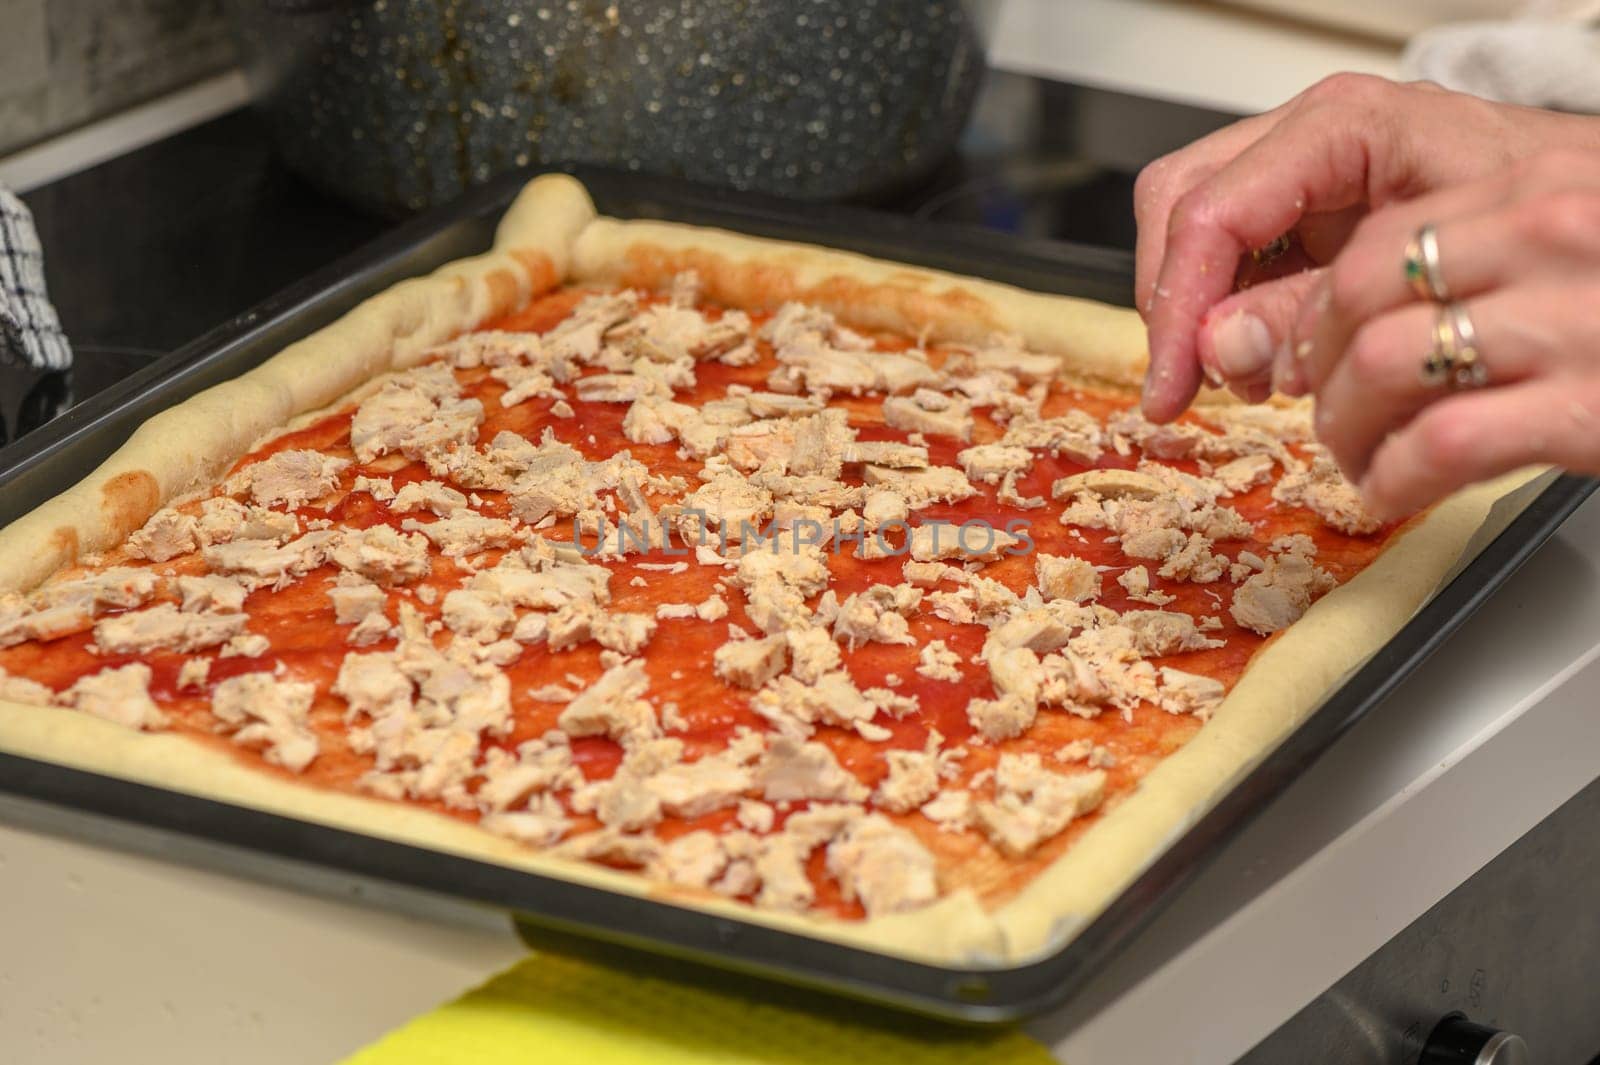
(1422, 269)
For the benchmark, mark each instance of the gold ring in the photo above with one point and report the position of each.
(1440, 362)
(1454, 359)
(1422, 269)
(1469, 370)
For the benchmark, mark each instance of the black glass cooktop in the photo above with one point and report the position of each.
(148, 251)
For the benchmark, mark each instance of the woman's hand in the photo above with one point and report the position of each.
(1520, 251)
(1312, 169)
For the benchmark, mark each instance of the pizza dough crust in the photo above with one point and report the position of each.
(550, 236)
(192, 443)
(1098, 342)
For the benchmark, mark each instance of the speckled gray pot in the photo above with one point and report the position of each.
(399, 104)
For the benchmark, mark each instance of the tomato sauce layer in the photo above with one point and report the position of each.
(298, 620)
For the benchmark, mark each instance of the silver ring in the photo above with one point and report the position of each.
(1422, 269)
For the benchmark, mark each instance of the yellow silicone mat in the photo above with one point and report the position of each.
(557, 1009)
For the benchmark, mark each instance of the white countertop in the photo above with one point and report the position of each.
(1213, 56)
(106, 953)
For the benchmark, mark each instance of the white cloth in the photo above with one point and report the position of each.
(30, 332)
(1537, 63)
(1548, 57)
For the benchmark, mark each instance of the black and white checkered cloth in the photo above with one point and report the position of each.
(30, 332)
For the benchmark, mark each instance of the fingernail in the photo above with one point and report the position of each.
(1242, 344)
(1372, 506)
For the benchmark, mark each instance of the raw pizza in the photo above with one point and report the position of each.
(753, 600)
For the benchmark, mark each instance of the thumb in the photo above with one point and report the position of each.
(1241, 336)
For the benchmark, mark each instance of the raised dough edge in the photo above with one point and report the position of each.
(957, 926)
(551, 235)
(1283, 685)
(192, 442)
(189, 445)
(1101, 342)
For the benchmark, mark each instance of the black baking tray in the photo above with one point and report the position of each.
(55, 456)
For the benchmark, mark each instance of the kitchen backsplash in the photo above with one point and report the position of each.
(67, 62)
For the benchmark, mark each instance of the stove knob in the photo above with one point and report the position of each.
(1457, 1041)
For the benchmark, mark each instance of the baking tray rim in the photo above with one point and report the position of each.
(970, 993)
